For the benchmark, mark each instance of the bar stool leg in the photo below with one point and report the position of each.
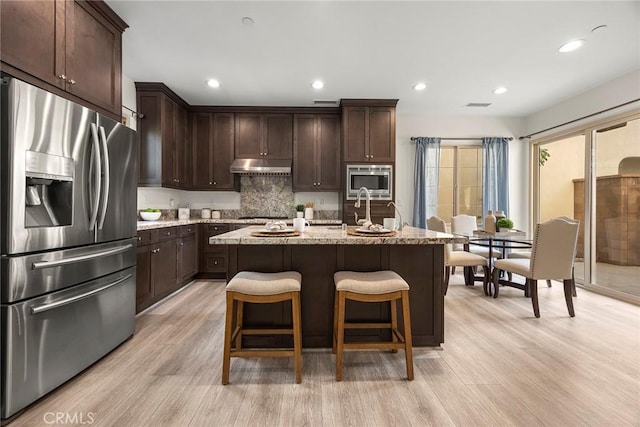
(334, 338)
(297, 335)
(408, 340)
(228, 327)
(340, 327)
(394, 322)
(239, 323)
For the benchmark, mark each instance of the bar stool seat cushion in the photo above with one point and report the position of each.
(253, 283)
(375, 282)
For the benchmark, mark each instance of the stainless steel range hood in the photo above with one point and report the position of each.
(261, 167)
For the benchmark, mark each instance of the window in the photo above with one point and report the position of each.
(460, 182)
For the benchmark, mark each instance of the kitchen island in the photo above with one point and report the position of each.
(416, 254)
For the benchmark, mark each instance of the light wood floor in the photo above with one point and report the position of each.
(498, 366)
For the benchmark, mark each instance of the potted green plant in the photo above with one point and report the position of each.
(299, 211)
(504, 224)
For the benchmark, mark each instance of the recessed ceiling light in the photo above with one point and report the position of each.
(571, 46)
(317, 84)
(500, 90)
(213, 83)
(247, 20)
(420, 86)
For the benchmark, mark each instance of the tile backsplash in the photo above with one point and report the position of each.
(260, 195)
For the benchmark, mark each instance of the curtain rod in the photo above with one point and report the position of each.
(413, 139)
(578, 119)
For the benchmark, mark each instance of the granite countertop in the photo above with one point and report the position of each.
(148, 225)
(336, 236)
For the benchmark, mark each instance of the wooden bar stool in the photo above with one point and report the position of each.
(252, 287)
(377, 286)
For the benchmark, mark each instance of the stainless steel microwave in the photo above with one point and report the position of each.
(378, 179)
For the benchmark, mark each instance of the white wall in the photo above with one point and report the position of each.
(611, 94)
(462, 127)
(129, 101)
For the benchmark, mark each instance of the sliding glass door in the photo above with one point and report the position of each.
(617, 201)
(593, 175)
(561, 169)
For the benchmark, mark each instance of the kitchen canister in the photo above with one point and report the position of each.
(215, 214)
(205, 213)
(184, 213)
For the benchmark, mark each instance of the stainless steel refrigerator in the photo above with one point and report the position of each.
(67, 234)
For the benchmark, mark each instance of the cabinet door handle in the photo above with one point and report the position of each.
(215, 183)
(71, 81)
(168, 233)
(181, 244)
(62, 77)
(210, 183)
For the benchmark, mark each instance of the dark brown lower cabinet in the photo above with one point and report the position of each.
(421, 266)
(167, 260)
(187, 257)
(213, 257)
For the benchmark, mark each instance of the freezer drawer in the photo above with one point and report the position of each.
(48, 340)
(33, 275)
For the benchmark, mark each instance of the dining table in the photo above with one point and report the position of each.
(504, 242)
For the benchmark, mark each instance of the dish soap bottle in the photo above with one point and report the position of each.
(490, 223)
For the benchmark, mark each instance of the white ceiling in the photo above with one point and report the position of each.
(462, 50)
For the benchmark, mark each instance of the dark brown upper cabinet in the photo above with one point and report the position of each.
(164, 150)
(369, 130)
(213, 141)
(316, 152)
(264, 135)
(72, 48)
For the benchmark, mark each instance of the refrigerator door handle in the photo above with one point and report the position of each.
(97, 176)
(65, 301)
(81, 258)
(105, 156)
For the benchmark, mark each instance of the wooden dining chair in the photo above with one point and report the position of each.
(458, 258)
(552, 256)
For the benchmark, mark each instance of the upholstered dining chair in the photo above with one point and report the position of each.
(467, 224)
(458, 258)
(552, 256)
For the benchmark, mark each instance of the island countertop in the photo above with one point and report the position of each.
(334, 235)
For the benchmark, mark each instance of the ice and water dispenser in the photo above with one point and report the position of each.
(48, 190)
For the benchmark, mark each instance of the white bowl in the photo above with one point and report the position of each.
(150, 216)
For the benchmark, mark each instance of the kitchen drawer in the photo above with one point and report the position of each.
(168, 233)
(215, 263)
(187, 230)
(145, 237)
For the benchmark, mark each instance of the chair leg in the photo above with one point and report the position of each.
(228, 327)
(569, 286)
(485, 282)
(297, 335)
(496, 282)
(533, 289)
(408, 340)
(453, 270)
(447, 274)
(340, 344)
(548, 283)
(335, 322)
